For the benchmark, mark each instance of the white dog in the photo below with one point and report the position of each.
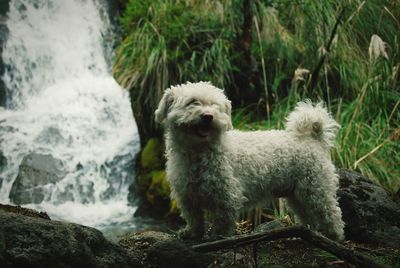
(213, 168)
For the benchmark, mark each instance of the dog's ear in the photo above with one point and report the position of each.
(164, 105)
(228, 111)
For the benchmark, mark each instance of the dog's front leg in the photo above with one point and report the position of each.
(194, 218)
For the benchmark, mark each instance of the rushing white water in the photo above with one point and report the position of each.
(62, 101)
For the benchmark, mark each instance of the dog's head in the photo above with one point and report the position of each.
(199, 111)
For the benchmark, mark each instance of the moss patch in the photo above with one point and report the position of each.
(173, 207)
(152, 157)
(158, 190)
(151, 181)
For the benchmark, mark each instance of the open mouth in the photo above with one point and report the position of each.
(203, 131)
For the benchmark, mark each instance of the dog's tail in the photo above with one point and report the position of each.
(308, 120)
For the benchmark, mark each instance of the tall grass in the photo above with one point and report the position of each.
(172, 41)
(368, 140)
(362, 92)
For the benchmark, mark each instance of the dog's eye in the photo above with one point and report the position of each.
(193, 102)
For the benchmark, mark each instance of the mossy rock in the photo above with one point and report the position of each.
(151, 181)
(143, 181)
(159, 190)
(152, 156)
(173, 208)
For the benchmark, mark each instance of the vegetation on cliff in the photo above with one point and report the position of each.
(268, 55)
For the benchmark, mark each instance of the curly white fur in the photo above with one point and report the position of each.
(213, 168)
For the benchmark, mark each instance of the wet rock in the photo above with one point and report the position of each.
(151, 191)
(116, 171)
(152, 156)
(370, 214)
(2, 93)
(157, 249)
(27, 241)
(4, 6)
(37, 173)
(3, 162)
(24, 211)
(51, 135)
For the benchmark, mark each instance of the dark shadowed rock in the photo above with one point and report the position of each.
(24, 211)
(157, 249)
(370, 214)
(36, 172)
(4, 6)
(3, 162)
(28, 241)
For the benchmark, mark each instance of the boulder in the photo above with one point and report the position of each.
(369, 212)
(158, 249)
(30, 241)
(36, 173)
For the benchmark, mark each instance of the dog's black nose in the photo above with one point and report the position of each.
(207, 118)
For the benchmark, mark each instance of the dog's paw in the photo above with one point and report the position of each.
(189, 234)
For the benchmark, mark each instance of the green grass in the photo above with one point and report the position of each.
(368, 140)
(168, 42)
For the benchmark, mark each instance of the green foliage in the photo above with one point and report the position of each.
(368, 140)
(171, 42)
(361, 92)
(174, 41)
(159, 190)
(151, 157)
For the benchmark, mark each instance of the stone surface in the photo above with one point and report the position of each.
(116, 170)
(158, 249)
(150, 191)
(4, 6)
(151, 157)
(369, 212)
(24, 211)
(28, 241)
(3, 162)
(36, 172)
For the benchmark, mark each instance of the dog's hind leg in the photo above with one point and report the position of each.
(325, 218)
(224, 226)
(223, 220)
(317, 206)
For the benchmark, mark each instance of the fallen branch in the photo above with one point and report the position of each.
(320, 241)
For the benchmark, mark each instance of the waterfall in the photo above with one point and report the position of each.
(65, 110)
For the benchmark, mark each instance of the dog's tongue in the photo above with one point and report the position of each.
(204, 131)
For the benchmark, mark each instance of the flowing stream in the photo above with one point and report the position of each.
(63, 103)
